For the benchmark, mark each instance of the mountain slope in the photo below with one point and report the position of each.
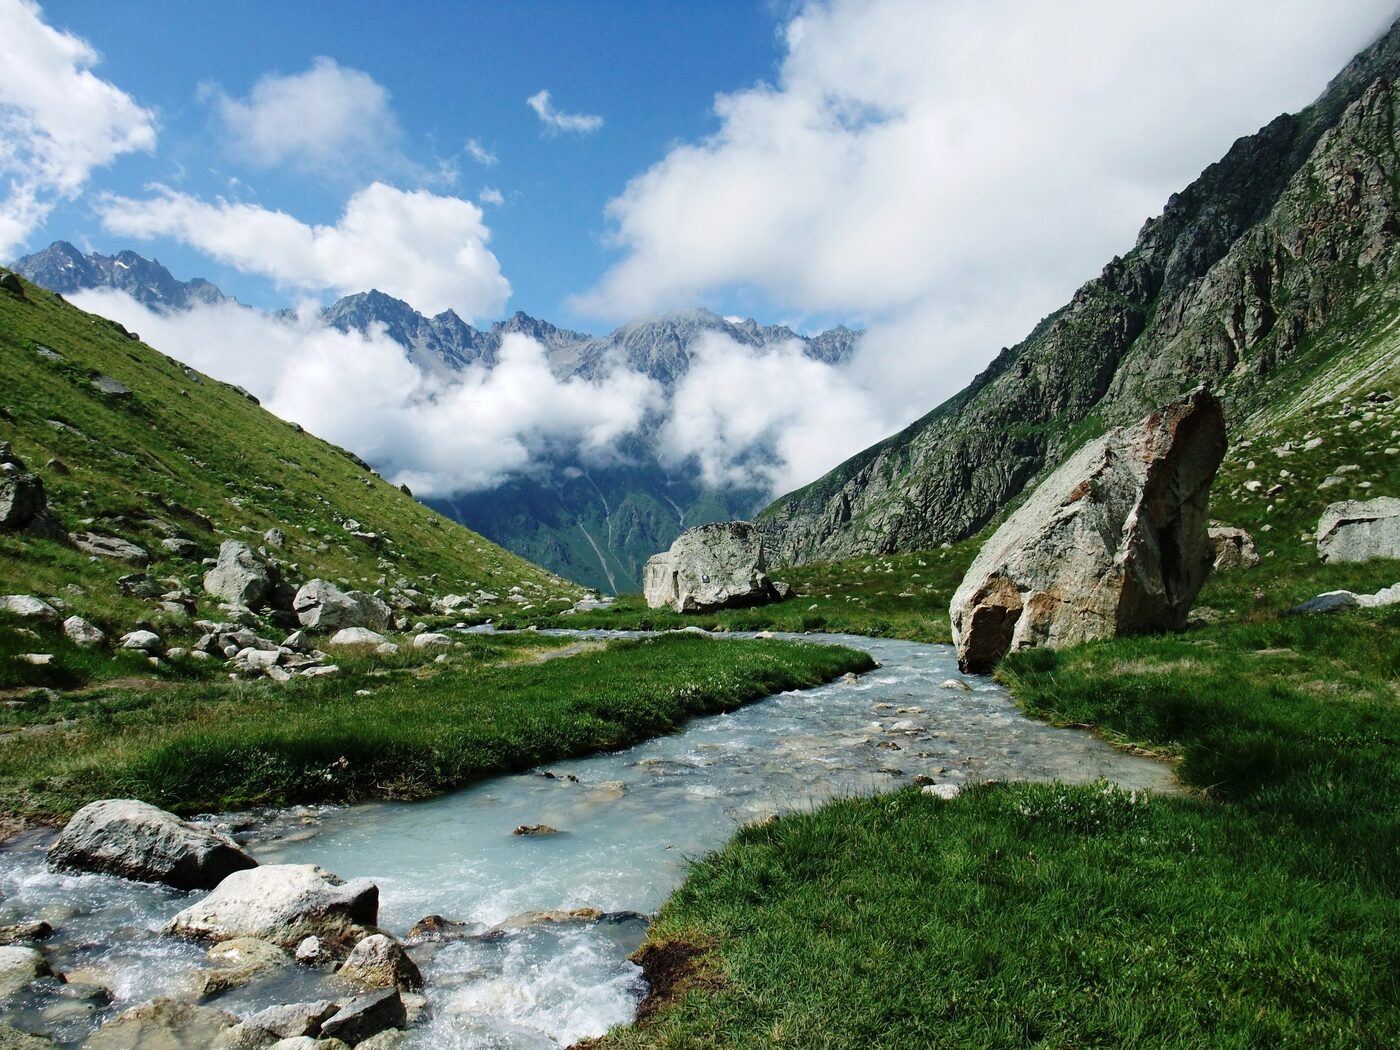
(1247, 279)
(173, 453)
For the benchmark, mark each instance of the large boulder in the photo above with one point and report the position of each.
(1358, 530)
(110, 547)
(162, 1024)
(718, 566)
(1113, 542)
(1234, 548)
(323, 606)
(284, 904)
(22, 497)
(379, 961)
(241, 576)
(121, 836)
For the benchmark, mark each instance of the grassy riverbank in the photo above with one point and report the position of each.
(420, 728)
(1260, 911)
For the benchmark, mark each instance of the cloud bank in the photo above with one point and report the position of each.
(952, 171)
(437, 436)
(58, 120)
(428, 249)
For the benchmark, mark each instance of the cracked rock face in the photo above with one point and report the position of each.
(1358, 530)
(1113, 542)
(718, 566)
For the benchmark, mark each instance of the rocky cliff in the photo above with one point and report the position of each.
(1247, 280)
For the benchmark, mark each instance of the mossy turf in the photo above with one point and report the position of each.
(423, 727)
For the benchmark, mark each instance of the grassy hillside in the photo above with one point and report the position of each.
(185, 455)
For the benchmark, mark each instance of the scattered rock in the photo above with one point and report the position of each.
(135, 840)
(432, 641)
(321, 605)
(535, 829)
(180, 547)
(14, 1039)
(955, 683)
(141, 585)
(275, 538)
(947, 792)
(82, 633)
(1338, 601)
(22, 499)
(19, 966)
(379, 961)
(144, 641)
(110, 547)
(1113, 542)
(294, 1019)
(28, 607)
(241, 576)
(1357, 530)
(719, 566)
(1234, 548)
(355, 636)
(111, 387)
(25, 933)
(366, 1016)
(284, 904)
(162, 1024)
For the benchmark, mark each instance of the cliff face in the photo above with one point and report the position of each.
(1291, 234)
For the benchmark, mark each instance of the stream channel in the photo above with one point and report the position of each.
(630, 823)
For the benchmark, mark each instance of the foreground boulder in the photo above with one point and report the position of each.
(379, 961)
(1358, 530)
(366, 1016)
(1113, 542)
(138, 841)
(284, 904)
(1233, 548)
(162, 1024)
(241, 576)
(718, 566)
(323, 606)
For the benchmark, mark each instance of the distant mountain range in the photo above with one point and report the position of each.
(596, 525)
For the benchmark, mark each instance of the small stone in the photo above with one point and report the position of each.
(947, 792)
(535, 829)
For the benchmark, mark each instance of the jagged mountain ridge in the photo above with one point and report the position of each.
(594, 524)
(1242, 281)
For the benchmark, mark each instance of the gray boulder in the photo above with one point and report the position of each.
(432, 640)
(321, 605)
(22, 497)
(144, 641)
(1358, 530)
(1234, 548)
(379, 961)
(366, 1016)
(284, 904)
(179, 546)
(19, 967)
(1113, 542)
(110, 547)
(718, 566)
(240, 576)
(138, 841)
(28, 607)
(1340, 601)
(239, 962)
(355, 636)
(293, 1019)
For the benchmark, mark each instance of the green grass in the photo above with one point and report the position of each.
(187, 455)
(424, 728)
(884, 596)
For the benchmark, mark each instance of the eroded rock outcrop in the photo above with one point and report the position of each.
(241, 576)
(720, 566)
(1113, 542)
(321, 605)
(138, 841)
(1234, 548)
(1358, 530)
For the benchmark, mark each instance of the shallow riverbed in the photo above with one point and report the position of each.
(628, 824)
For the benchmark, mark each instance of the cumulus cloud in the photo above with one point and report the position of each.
(963, 164)
(327, 118)
(768, 418)
(439, 436)
(479, 153)
(428, 249)
(555, 120)
(58, 120)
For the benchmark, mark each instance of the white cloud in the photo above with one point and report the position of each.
(327, 118)
(491, 195)
(439, 436)
(768, 418)
(58, 121)
(555, 120)
(480, 153)
(955, 170)
(427, 249)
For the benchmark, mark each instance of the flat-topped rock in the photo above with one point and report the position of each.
(136, 840)
(1359, 530)
(719, 566)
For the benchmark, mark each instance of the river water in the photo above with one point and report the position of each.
(628, 823)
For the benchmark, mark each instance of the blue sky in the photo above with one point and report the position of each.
(454, 71)
(940, 173)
